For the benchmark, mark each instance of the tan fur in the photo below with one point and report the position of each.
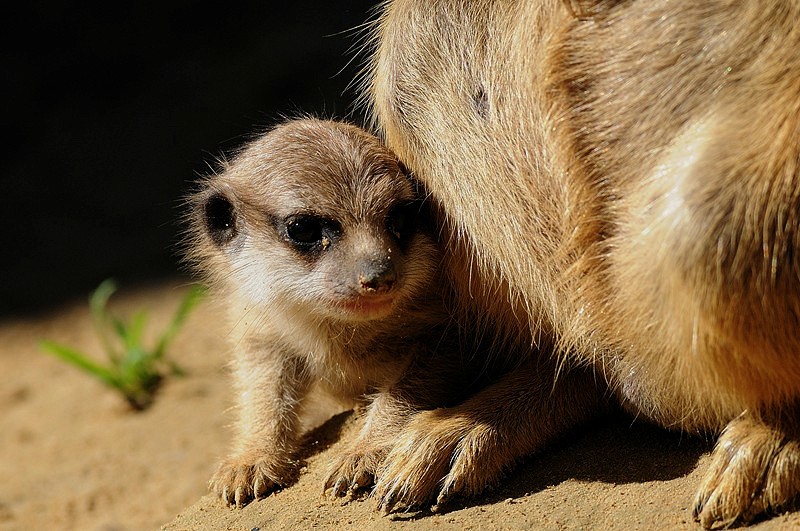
(308, 319)
(302, 318)
(621, 180)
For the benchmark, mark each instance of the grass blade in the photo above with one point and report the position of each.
(192, 299)
(98, 302)
(134, 331)
(99, 298)
(80, 361)
(135, 371)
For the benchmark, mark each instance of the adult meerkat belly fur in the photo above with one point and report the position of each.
(622, 177)
(310, 235)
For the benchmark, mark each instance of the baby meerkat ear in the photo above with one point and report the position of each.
(219, 216)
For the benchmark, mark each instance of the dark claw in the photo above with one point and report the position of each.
(340, 488)
(698, 508)
(441, 500)
(364, 479)
(387, 504)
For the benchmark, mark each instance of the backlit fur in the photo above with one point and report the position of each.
(620, 179)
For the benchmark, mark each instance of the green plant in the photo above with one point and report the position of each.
(132, 369)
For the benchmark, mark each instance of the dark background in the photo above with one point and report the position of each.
(113, 110)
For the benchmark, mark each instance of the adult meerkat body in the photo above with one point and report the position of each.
(626, 175)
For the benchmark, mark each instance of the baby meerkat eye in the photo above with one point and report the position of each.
(402, 220)
(310, 233)
(220, 219)
(304, 229)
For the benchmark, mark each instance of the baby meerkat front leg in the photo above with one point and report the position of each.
(270, 383)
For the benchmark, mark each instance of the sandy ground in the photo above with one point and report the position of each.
(73, 457)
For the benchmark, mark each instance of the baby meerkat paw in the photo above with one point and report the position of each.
(755, 469)
(440, 454)
(354, 471)
(245, 477)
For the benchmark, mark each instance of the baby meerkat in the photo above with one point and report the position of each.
(313, 236)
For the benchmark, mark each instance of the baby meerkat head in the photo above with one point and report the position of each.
(316, 217)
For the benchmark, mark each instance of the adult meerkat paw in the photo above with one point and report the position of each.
(440, 454)
(755, 469)
(245, 477)
(354, 471)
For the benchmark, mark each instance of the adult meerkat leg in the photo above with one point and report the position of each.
(433, 380)
(270, 385)
(707, 265)
(755, 469)
(465, 449)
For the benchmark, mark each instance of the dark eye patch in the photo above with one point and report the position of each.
(220, 219)
(304, 230)
(403, 220)
(309, 233)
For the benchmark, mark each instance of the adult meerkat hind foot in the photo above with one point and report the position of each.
(755, 470)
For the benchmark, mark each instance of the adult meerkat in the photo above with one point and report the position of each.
(623, 177)
(313, 237)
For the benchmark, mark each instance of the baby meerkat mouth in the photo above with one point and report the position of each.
(376, 286)
(369, 306)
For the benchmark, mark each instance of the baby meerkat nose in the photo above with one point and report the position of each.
(376, 276)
